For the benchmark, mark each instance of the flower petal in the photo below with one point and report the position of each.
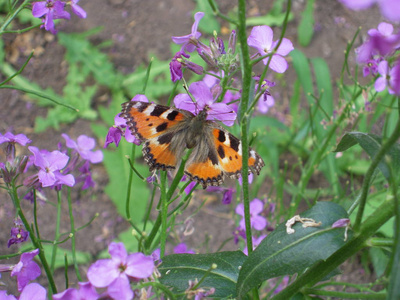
(139, 265)
(261, 38)
(102, 273)
(277, 64)
(120, 289)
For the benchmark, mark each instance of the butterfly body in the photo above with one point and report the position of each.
(167, 132)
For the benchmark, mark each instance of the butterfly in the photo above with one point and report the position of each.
(167, 132)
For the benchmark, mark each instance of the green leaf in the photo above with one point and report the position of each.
(371, 144)
(177, 269)
(269, 19)
(305, 30)
(281, 253)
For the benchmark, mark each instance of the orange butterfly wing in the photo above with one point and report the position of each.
(153, 124)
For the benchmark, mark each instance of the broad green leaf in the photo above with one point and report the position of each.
(305, 30)
(303, 71)
(177, 269)
(371, 144)
(281, 253)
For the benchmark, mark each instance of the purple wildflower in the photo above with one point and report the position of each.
(50, 165)
(390, 9)
(204, 99)
(389, 78)
(84, 146)
(115, 273)
(190, 41)
(261, 39)
(77, 10)
(228, 195)
(86, 176)
(51, 10)
(18, 234)
(14, 139)
(256, 207)
(266, 101)
(86, 292)
(182, 248)
(26, 270)
(33, 291)
(120, 129)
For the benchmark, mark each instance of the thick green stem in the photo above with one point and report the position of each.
(246, 77)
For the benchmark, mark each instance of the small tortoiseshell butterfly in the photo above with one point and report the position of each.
(167, 132)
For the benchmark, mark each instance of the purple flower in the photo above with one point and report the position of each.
(389, 78)
(85, 176)
(190, 41)
(115, 273)
(178, 62)
(228, 195)
(266, 101)
(18, 234)
(84, 146)
(204, 98)
(51, 10)
(26, 270)
(50, 165)
(381, 42)
(76, 9)
(256, 242)
(15, 139)
(182, 248)
(261, 39)
(120, 129)
(256, 207)
(86, 292)
(371, 67)
(190, 187)
(390, 9)
(33, 291)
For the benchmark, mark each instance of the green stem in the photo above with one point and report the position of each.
(10, 18)
(36, 242)
(367, 179)
(321, 269)
(246, 77)
(73, 240)
(164, 212)
(57, 233)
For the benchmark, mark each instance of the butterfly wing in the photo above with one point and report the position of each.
(224, 158)
(157, 126)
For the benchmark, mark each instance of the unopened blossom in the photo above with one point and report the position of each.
(26, 269)
(190, 41)
(180, 61)
(204, 99)
(50, 10)
(50, 165)
(115, 273)
(261, 39)
(256, 221)
(86, 291)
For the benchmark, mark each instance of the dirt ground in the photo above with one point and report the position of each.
(137, 28)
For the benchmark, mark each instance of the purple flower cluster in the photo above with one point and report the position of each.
(51, 10)
(376, 55)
